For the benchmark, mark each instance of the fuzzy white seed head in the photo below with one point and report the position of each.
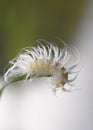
(45, 60)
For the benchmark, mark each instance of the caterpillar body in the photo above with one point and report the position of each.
(46, 59)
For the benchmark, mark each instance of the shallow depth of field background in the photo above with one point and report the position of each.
(24, 21)
(33, 106)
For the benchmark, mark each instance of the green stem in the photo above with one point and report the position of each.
(3, 87)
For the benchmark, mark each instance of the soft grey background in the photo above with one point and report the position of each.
(35, 108)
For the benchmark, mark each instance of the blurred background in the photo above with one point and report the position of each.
(24, 21)
(32, 106)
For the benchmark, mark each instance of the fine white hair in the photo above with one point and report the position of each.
(43, 60)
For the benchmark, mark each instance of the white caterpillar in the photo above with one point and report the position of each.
(46, 60)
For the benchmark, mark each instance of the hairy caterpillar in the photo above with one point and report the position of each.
(45, 60)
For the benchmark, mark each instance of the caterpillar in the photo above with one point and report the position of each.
(46, 59)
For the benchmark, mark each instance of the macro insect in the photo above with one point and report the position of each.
(45, 60)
